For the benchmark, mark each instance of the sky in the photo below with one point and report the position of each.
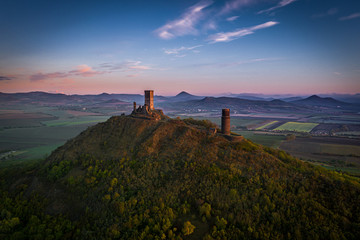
(205, 47)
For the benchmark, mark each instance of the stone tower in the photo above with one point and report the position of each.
(149, 99)
(225, 121)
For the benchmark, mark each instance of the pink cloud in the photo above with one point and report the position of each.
(6, 77)
(82, 70)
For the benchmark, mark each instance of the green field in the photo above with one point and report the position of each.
(236, 122)
(268, 140)
(296, 127)
(34, 138)
(266, 125)
(338, 155)
(76, 121)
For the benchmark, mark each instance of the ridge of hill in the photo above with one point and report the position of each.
(315, 100)
(183, 96)
(134, 178)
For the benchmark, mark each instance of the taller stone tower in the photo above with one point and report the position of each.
(149, 99)
(225, 121)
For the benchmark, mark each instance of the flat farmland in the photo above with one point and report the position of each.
(34, 131)
(38, 141)
(331, 152)
(296, 127)
(22, 138)
(267, 125)
(19, 118)
(76, 121)
(269, 140)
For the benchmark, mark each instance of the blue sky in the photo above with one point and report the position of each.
(204, 47)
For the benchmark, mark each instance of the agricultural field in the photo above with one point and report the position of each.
(296, 127)
(266, 139)
(76, 121)
(34, 131)
(331, 152)
(266, 125)
(19, 119)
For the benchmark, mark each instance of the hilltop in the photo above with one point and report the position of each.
(134, 178)
(183, 96)
(315, 100)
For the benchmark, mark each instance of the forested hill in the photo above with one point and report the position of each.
(132, 178)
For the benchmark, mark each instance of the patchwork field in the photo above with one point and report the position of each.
(266, 139)
(296, 127)
(333, 152)
(33, 132)
(76, 121)
(267, 125)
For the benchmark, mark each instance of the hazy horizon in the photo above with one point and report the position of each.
(198, 94)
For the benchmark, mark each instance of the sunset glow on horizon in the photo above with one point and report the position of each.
(204, 47)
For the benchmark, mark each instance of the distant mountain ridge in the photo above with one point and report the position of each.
(185, 100)
(315, 100)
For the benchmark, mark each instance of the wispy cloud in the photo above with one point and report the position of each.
(235, 5)
(177, 51)
(330, 12)
(238, 63)
(255, 60)
(352, 16)
(123, 66)
(281, 4)
(132, 75)
(230, 36)
(185, 25)
(6, 78)
(81, 70)
(231, 19)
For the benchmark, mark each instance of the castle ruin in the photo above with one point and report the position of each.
(148, 110)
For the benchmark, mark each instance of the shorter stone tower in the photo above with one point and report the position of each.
(225, 121)
(149, 99)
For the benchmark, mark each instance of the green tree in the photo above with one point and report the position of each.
(188, 228)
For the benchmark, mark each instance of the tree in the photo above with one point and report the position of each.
(188, 228)
(290, 137)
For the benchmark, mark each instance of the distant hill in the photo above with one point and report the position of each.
(133, 178)
(183, 96)
(348, 98)
(58, 99)
(236, 104)
(315, 100)
(289, 99)
(249, 97)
